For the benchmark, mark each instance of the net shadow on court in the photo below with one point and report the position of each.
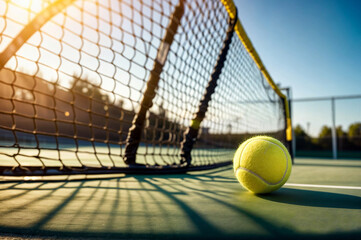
(198, 205)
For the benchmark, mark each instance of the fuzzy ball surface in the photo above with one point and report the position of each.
(262, 164)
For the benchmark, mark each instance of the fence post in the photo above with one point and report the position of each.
(334, 133)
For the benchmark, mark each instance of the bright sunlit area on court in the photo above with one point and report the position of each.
(180, 119)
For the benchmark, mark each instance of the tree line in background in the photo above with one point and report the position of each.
(83, 110)
(159, 129)
(349, 140)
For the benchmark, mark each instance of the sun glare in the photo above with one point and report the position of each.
(32, 5)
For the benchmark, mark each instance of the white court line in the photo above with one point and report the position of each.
(321, 186)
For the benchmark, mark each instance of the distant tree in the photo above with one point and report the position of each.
(299, 131)
(325, 132)
(354, 130)
(324, 140)
(162, 112)
(340, 132)
(120, 103)
(86, 88)
(303, 141)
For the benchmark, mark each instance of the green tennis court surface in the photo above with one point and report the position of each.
(322, 199)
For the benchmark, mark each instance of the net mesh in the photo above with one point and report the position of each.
(69, 94)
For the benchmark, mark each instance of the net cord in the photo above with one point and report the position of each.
(239, 29)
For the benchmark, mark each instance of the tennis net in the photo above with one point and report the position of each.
(129, 86)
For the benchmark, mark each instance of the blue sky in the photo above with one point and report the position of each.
(313, 46)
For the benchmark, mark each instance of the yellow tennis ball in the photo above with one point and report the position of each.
(262, 164)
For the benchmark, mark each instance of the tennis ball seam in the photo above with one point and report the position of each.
(249, 171)
(256, 175)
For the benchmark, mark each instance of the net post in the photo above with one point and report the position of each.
(190, 135)
(288, 126)
(333, 131)
(287, 106)
(135, 132)
(291, 143)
